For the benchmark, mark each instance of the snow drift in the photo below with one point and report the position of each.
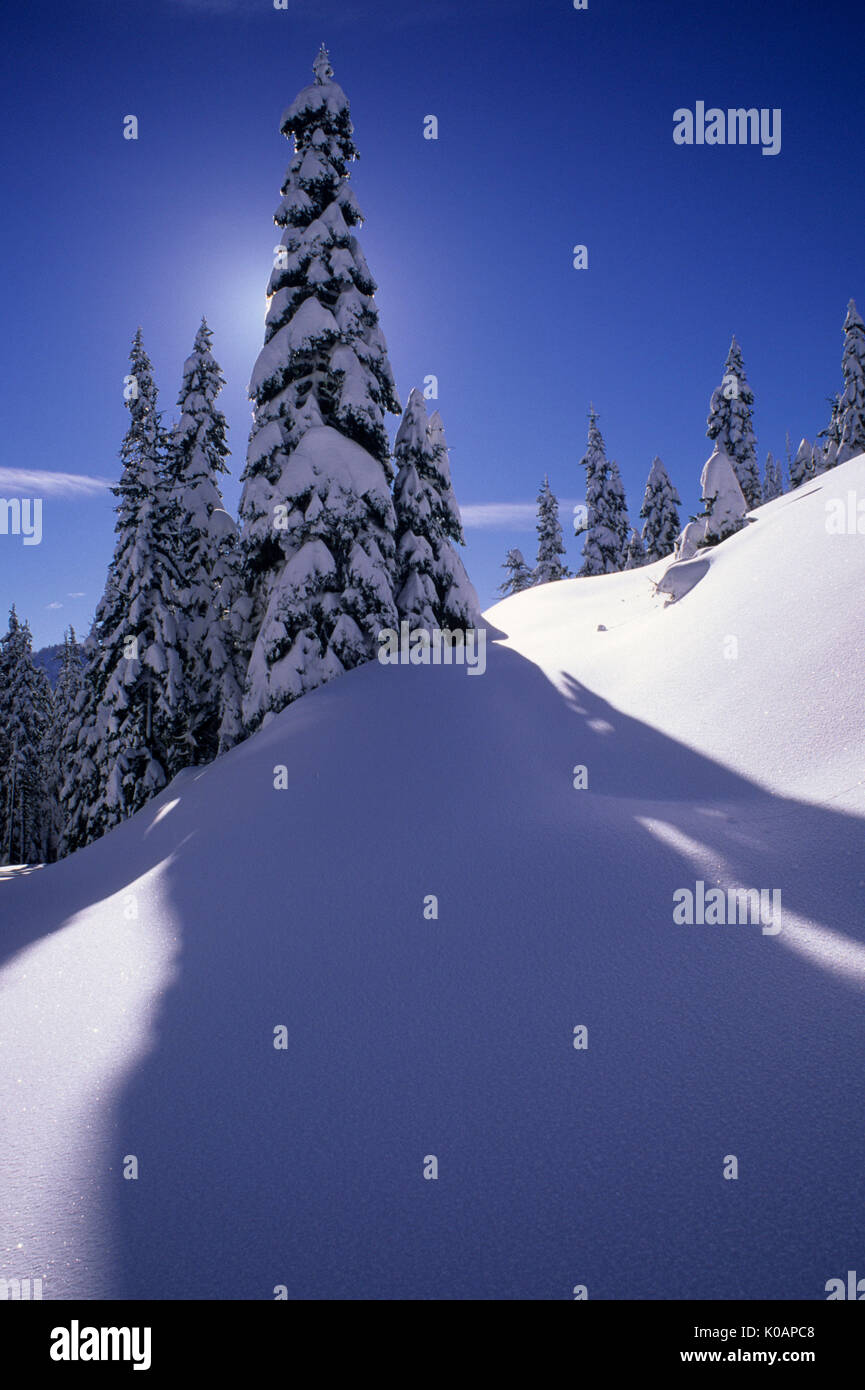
(143, 979)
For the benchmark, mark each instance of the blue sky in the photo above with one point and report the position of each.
(555, 128)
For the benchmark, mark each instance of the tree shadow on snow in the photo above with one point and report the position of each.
(411, 1036)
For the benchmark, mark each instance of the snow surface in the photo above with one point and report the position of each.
(152, 1034)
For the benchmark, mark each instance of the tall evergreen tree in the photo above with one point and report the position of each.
(730, 425)
(26, 817)
(518, 577)
(551, 546)
(11, 646)
(635, 555)
(69, 678)
(70, 684)
(128, 735)
(851, 419)
(825, 455)
(602, 548)
(773, 485)
(461, 606)
(660, 514)
(211, 605)
(80, 779)
(316, 509)
(432, 588)
(801, 467)
(788, 452)
(618, 512)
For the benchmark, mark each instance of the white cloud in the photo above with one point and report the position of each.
(507, 516)
(38, 482)
(499, 516)
(79, 595)
(54, 605)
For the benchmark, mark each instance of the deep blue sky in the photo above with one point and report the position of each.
(555, 128)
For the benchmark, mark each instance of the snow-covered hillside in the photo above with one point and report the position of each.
(142, 980)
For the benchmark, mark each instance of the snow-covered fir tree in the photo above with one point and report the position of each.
(725, 506)
(730, 424)
(660, 513)
(70, 677)
(211, 605)
(602, 547)
(316, 510)
(851, 413)
(27, 817)
(79, 780)
(825, 455)
(431, 586)
(64, 711)
(518, 574)
(803, 462)
(460, 597)
(773, 484)
(617, 511)
(129, 736)
(635, 554)
(551, 546)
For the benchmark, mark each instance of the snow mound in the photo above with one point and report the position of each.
(367, 939)
(681, 577)
(783, 700)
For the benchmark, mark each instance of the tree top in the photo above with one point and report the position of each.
(321, 67)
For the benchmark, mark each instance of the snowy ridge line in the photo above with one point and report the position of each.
(791, 810)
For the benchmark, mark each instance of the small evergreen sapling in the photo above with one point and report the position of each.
(635, 555)
(660, 514)
(518, 574)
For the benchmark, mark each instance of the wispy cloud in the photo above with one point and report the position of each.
(499, 516)
(79, 595)
(54, 605)
(38, 482)
(508, 516)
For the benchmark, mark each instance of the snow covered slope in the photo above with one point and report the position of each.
(141, 981)
(783, 701)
